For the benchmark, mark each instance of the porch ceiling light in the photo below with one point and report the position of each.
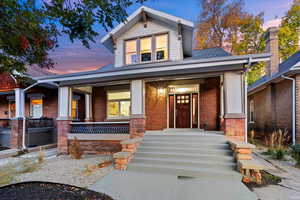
(161, 91)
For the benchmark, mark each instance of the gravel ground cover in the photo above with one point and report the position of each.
(44, 190)
(63, 169)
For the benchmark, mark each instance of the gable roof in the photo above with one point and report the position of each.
(289, 65)
(210, 53)
(187, 26)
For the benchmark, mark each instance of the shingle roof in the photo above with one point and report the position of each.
(210, 53)
(284, 67)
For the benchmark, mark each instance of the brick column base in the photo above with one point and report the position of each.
(63, 128)
(137, 127)
(222, 124)
(16, 133)
(235, 128)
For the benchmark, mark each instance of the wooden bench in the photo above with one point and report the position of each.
(242, 150)
(251, 170)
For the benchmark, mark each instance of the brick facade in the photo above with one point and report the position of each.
(298, 108)
(235, 128)
(7, 83)
(210, 104)
(272, 108)
(137, 127)
(63, 128)
(16, 133)
(101, 147)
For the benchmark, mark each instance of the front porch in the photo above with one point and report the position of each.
(115, 111)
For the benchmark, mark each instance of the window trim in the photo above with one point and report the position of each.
(153, 48)
(117, 100)
(251, 110)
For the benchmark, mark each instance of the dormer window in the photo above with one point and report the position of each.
(146, 49)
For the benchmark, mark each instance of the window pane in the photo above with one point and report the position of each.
(118, 95)
(113, 109)
(161, 43)
(146, 48)
(131, 52)
(125, 108)
(36, 108)
(74, 109)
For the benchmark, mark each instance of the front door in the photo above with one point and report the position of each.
(183, 111)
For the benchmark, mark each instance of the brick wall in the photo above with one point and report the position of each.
(104, 147)
(7, 83)
(298, 108)
(272, 108)
(210, 104)
(156, 106)
(99, 104)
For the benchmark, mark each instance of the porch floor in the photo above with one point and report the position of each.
(178, 164)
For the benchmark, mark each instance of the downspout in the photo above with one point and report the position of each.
(293, 107)
(246, 98)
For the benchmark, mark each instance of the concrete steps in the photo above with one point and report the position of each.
(198, 172)
(196, 155)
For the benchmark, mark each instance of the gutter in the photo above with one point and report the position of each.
(294, 106)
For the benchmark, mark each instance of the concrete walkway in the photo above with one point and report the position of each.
(178, 165)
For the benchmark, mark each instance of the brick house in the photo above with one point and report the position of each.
(37, 104)
(273, 100)
(157, 82)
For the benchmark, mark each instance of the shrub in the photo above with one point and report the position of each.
(296, 154)
(75, 150)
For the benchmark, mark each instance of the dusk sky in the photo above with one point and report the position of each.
(73, 57)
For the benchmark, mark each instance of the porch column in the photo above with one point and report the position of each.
(137, 119)
(17, 122)
(234, 118)
(222, 103)
(88, 107)
(64, 118)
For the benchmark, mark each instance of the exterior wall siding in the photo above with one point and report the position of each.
(153, 27)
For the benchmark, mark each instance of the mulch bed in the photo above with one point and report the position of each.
(46, 190)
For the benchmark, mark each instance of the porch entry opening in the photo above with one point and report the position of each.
(183, 106)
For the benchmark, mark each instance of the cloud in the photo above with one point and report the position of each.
(271, 23)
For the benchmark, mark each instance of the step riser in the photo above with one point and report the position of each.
(181, 172)
(185, 140)
(186, 151)
(187, 156)
(187, 145)
(186, 164)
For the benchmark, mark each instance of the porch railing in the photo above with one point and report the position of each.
(39, 122)
(100, 127)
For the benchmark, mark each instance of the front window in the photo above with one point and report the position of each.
(161, 44)
(11, 109)
(74, 109)
(251, 113)
(36, 108)
(131, 52)
(146, 49)
(118, 104)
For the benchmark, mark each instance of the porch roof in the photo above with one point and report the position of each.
(158, 69)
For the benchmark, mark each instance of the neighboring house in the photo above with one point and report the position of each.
(157, 82)
(274, 100)
(39, 108)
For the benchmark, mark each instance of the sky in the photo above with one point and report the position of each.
(73, 57)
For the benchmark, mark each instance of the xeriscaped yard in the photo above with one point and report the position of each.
(61, 169)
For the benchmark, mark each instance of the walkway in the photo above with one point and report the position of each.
(178, 165)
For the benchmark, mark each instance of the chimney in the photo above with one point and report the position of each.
(273, 48)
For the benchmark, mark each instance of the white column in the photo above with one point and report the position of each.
(88, 106)
(234, 98)
(137, 98)
(64, 103)
(20, 103)
(221, 96)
